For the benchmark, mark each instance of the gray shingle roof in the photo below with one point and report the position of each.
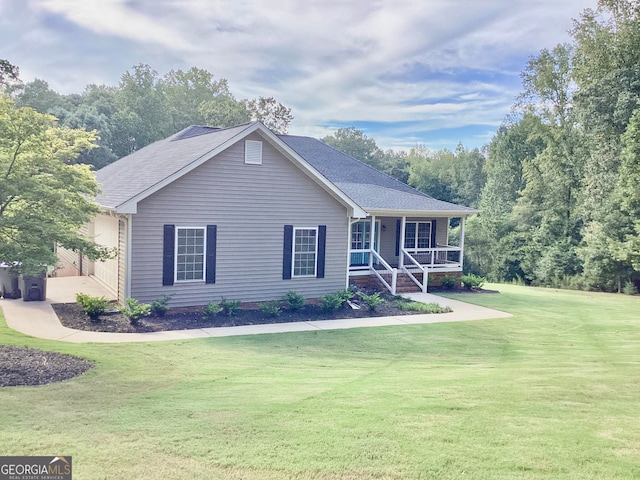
(368, 187)
(154, 165)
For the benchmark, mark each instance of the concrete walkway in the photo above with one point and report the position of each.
(38, 319)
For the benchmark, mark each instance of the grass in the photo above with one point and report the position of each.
(551, 393)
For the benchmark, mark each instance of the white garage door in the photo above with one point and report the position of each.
(106, 233)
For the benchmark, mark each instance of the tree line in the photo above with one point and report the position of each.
(557, 186)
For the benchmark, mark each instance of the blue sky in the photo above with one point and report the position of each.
(407, 72)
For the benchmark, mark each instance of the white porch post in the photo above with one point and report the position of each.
(462, 221)
(400, 254)
(371, 240)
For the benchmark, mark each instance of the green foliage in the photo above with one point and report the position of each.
(160, 306)
(92, 306)
(371, 301)
(44, 198)
(630, 288)
(210, 311)
(271, 309)
(295, 301)
(134, 310)
(230, 307)
(420, 307)
(448, 282)
(332, 301)
(471, 281)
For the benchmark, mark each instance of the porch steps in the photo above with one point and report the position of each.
(404, 284)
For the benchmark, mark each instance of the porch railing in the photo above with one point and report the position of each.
(416, 267)
(442, 257)
(385, 272)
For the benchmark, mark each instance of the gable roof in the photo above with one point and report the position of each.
(363, 189)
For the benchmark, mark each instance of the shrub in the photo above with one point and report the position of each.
(347, 294)
(423, 307)
(630, 288)
(230, 307)
(331, 301)
(134, 310)
(160, 306)
(294, 301)
(472, 281)
(92, 306)
(210, 311)
(448, 282)
(271, 309)
(372, 301)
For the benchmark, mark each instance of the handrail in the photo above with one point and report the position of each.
(423, 284)
(388, 268)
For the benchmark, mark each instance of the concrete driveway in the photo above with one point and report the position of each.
(38, 319)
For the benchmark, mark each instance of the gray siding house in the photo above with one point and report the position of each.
(246, 214)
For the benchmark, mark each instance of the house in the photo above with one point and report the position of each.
(246, 214)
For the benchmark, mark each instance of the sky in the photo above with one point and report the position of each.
(406, 72)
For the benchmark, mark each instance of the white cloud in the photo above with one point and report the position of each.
(422, 62)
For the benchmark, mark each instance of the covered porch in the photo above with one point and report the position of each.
(393, 247)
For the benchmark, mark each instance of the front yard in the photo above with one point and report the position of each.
(551, 393)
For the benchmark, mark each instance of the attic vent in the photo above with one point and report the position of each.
(252, 152)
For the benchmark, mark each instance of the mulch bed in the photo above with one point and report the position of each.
(72, 316)
(28, 366)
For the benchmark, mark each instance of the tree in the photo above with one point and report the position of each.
(355, 143)
(9, 74)
(44, 197)
(272, 113)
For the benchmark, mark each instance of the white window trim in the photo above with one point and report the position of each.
(415, 243)
(293, 254)
(204, 256)
(252, 152)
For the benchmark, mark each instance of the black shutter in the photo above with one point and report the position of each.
(322, 248)
(168, 251)
(398, 228)
(433, 234)
(287, 252)
(210, 275)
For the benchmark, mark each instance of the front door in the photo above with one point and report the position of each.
(361, 241)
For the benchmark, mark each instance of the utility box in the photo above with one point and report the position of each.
(33, 287)
(9, 285)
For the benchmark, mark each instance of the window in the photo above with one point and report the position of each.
(305, 252)
(190, 254)
(252, 152)
(417, 235)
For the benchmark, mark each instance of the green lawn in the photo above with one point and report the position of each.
(552, 393)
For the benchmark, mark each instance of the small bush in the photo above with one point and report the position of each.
(134, 310)
(348, 294)
(332, 301)
(423, 307)
(210, 311)
(230, 307)
(294, 301)
(160, 306)
(472, 281)
(630, 288)
(92, 306)
(271, 309)
(448, 282)
(372, 301)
